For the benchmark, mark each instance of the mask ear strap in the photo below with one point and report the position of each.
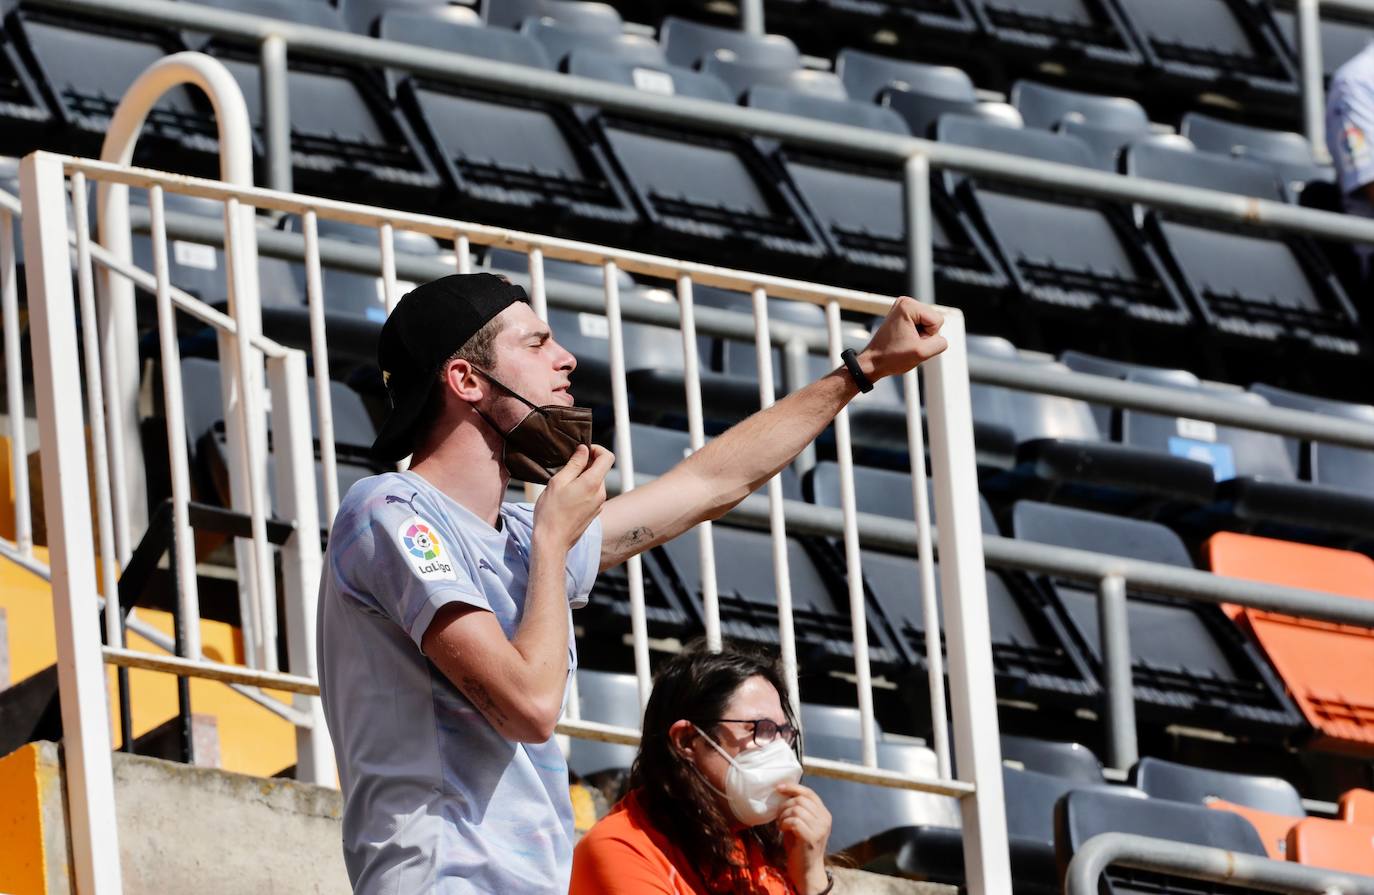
(507, 389)
(715, 745)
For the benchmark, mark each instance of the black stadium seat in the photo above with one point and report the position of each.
(1085, 33)
(1068, 761)
(1288, 152)
(1215, 45)
(24, 111)
(1191, 666)
(560, 41)
(1258, 289)
(1031, 658)
(748, 600)
(1343, 36)
(1084, 814)
(929, 23)
(1333, 465)
(1161, 779)
(708, 194)
(1066, 255)
(346, 137)
(510, 157)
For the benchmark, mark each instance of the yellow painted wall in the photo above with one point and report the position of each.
(27, 601)
(22, 858)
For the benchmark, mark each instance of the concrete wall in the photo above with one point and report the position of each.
(210, 832)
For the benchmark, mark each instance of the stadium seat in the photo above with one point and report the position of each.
(351, 292)
(1217, 45)
(583, 15)
(711, 195)
(929, 23)
(1327, 464)
(689, 44)
(1105, 123)
(360, 16)
(83, 66)
(1272, 827)
(859, 205)
(1325, 666)
(1030, 652)
(1288, 152)
(838, 721)
(741, 77)
(346, 138)
(935, 89)
(657, 450)
(1085, 34)
(606, 698)
(748, 601)
(1068, 761)
(559, 40)
(508, 157)
(1357, 807)
(1191, 665)
(1343, 35)
(25, 112)
(1109, 418)
(1251, 287)
(1333, 844)
(1083, 814)
(1066, 257)
(1161, 779)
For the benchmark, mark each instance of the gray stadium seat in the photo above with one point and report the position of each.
(606, 698)
(1327, 464)
(1286, 151)
(583, 15)
(560, 40)
(1067, 761)
(1088, 34)
(360, 16)
(1161, 779)
(689, 44)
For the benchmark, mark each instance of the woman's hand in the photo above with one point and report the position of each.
(805, 825)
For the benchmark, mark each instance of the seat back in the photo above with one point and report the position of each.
(1272, 828)
(1183, 783)
(560, 41)
(881, 492)
(1342, 39)
(606, 698)
(1333, 844)
(361, 16)
(837, 721)
(1045, 107)
(422, 29)
(1288, 151)
(1328, 464)
(1158, 161)
(1098, 532)
(867, 76)
(689, 44)
(821, 108)
(316, 15)
(741, 77)
(1069, 761)
(662, 79)
(584, 15)
(1357, 807)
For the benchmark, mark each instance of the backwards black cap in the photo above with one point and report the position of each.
(428, 325)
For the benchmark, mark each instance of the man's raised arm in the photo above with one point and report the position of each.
(735, 464)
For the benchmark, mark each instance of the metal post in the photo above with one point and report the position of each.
(276, 113)
(66, 505)
(462, 251)
(300, 555)
(696, 430)
(319, 353)
(973, 695)
(1312, 76)
(920, 266)
(858, 610)
(777, 527)
(1119, 699)
(751, 17)
(639, 626)
(14, 388)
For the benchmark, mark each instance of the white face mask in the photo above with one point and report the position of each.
(751, 784)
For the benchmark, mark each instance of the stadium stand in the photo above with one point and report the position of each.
(1324, 666)
(1188, 661)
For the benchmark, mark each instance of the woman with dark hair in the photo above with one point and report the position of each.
(715, 804)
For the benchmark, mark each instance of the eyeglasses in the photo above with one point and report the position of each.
(765, 730)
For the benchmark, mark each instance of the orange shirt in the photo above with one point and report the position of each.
(624, 854)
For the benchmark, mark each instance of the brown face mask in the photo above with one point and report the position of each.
(541, 443)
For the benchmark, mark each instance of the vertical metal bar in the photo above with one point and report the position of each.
(319, 353)
(796, 371)
(95, 409)
(925, 555)
(387, 236)
(763, 349)
(276, 113)
(751, 17)
(1312, 76)
(301, 560)
(1115, 639)
(66, 504)
(14, 388)
(696, 431)
(962, 574)
(183, 543)
(462, 250)
(858, 610)
(251, 449)
(620, 400)
(920, 256)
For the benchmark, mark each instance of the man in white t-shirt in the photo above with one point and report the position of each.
(445, 637)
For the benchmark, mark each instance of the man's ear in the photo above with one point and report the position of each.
(463, 381)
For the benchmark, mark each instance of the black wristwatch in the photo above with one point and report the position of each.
(851, 363)
(829, 883)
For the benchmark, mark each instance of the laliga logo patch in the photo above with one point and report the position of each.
(424, 549)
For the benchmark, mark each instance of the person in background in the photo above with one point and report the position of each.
(715, 803)
(1349, 128)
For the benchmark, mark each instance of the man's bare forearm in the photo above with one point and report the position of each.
(542, 636)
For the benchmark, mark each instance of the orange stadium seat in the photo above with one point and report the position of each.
(1328, 668)
(1357, 807)
(1333, 844)
(1272, 828)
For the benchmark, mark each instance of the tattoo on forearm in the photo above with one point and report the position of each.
(482, 699)
(636, 539)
